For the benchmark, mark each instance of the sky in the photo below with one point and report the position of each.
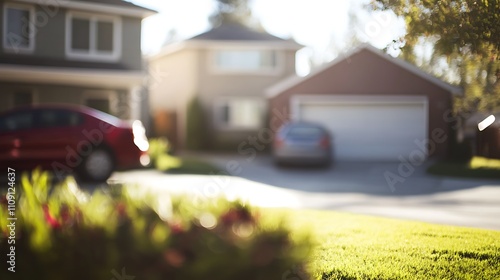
(320, 25)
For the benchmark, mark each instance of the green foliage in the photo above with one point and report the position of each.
(472, 25)
(236, 11)
(65, 233)
(159, 153)
(476, 167)
(158, 147)
(196, 133)
(465, 35)
(162, 160)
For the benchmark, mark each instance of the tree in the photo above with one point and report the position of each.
(463, 26)
(196, 134)
(465, 35)
(232, 11)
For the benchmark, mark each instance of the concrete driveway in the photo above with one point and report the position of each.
(375, 178)
(393, 189)
(352, 187)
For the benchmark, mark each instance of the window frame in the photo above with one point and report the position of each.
(110, 95)
(224, 101)
(32, 36)
(277, 69)
(33, 92)
(94, 54)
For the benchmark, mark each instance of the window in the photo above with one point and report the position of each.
(93, 37)
(58, 118)
(239, 113)
(100, 104)
(18, 31)
(103, 100)
(245, 60)
(22, 98)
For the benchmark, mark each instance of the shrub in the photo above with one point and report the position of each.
(461, 151)
(196, 133)
(65, 233)
(159, 153)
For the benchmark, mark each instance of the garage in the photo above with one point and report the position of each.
(367, 128)
(377, 107)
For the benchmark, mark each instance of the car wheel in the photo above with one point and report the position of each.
(98, 166)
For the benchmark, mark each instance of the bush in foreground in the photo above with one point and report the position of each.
(65, 233)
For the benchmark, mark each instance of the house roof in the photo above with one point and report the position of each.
(230, 34)
(236, 32)
(119, 7)
(121, 3)
(295, 80)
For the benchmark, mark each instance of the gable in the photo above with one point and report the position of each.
(366, 68)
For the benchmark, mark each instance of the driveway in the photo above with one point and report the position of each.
(393, 189)
(351, 187)
(375, 178)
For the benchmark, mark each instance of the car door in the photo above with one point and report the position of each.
(54, 137)
(14, 129)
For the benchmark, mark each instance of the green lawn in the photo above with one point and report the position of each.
(162, 160)
(181, 165)
(477, 167)
(353, 246)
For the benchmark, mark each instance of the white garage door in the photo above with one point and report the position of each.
(373, 129)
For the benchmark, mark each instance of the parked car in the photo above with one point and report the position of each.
(70, 139)
(302, 143)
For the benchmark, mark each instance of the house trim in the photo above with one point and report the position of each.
(94, 54)
(71, 76)
(197, 44)
(95, 7)
(5, 42)
(292, 81)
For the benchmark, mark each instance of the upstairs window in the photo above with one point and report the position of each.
(93, 37)
(259, 61)
(18, 28)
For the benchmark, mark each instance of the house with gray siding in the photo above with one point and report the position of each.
(77, 52)
(227, 68)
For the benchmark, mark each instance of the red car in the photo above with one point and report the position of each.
(70, 139)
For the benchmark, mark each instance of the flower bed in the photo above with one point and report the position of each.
(65, 233)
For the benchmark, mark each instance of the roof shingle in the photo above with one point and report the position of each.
(120, 3)
(236, 32)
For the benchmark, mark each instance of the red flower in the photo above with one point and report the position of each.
(174, 258)
(176, 228)
(64, 212)
(239, 215)
(49, 218)
(121, 209)
(3, 200)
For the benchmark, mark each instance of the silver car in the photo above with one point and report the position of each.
(302, 143)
